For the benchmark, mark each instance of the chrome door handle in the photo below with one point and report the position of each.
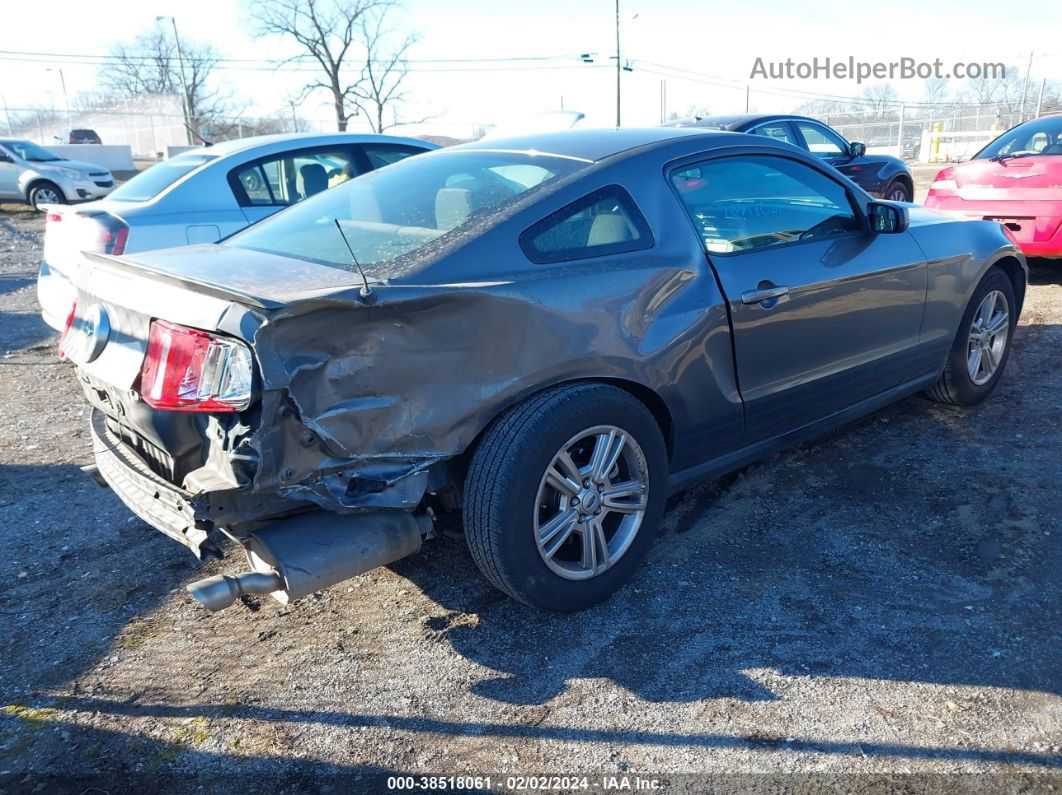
(761, 294)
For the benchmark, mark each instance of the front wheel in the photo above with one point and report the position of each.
(981, 347)
(45, 193)
(897, 191)
(564, 495)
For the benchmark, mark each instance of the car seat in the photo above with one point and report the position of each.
(314, 179)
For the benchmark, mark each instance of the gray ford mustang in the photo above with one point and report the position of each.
(547, 334)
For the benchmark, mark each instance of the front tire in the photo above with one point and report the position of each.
(564, 495)
(979, 353)
(897, 191)
(45, 193)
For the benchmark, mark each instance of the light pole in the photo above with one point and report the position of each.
(184, 84)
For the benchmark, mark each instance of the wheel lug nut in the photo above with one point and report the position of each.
(575, 501)
(597, 512)
(586, 484)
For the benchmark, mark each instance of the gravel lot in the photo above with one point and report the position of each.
(882, 602)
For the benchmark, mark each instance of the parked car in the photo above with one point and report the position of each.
(81, 136)
(879, 175)
(34, 175)
(551, 333)
(1015, 180)
(204, 195)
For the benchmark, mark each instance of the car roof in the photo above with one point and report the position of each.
(592, 145)
(267, 144)
(734, 121)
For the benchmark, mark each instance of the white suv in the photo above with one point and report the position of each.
(30, 173)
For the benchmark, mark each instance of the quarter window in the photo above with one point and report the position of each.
(821, 142)
(606, 221)
(755, 201)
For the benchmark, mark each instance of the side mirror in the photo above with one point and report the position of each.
(857, 149)
(887, 218)
(6, 158)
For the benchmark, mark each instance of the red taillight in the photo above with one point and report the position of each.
(113, 232)
(944, 183)
(66, 328)
(190, 370)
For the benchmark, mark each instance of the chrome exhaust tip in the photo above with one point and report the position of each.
(221, 591)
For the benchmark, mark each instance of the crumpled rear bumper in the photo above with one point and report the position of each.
(158, 502)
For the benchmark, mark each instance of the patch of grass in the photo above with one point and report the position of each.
(35, 717)
(193, 734)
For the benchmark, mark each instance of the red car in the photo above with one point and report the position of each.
(1016, 180)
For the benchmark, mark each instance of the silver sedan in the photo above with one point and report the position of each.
(202, 196)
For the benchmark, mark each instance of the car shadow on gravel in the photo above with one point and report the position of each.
(24, 330)
(846, 557)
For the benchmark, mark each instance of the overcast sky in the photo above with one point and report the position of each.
(705, 37)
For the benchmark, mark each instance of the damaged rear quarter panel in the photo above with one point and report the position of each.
(380, 393)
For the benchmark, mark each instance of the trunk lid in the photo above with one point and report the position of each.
(1033, 178)
(252, 277)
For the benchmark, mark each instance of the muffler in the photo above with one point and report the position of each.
(298, 556)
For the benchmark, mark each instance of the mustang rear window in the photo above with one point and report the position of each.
(401, 210)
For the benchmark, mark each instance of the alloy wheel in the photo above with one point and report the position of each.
(988, 336)
(45, 196)
(898, 194)
(591, 502)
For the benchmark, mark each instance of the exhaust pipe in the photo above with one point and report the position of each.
(217, 593)
(299, 556)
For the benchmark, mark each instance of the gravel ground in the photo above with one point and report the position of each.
(882, 602)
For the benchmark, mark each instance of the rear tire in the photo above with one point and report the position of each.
(976, 361)
(45, 193)
(565, 543)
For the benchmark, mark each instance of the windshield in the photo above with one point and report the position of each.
(29, 151)
(150, 183)
(1039, 137)
(399, 210)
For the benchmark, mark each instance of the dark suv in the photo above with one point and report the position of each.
(83, 137)
(880, 175)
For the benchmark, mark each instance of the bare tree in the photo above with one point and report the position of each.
(149, 65)
(383, 70)
(936, 91)
(881, 99)
(326, 30)
(691, 112)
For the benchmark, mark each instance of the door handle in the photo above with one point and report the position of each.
(762, 294)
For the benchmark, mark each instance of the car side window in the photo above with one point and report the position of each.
(606, 221)
(778, 130)
(291, 177)
(822, 142)
(381, 155)
(749, 202)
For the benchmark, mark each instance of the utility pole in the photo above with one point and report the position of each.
(7, 115)
(184, 84)
(1040, 98)
(1024, 89)
(66, 97)
(619, 64)
(747, 91)
(899, 133)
